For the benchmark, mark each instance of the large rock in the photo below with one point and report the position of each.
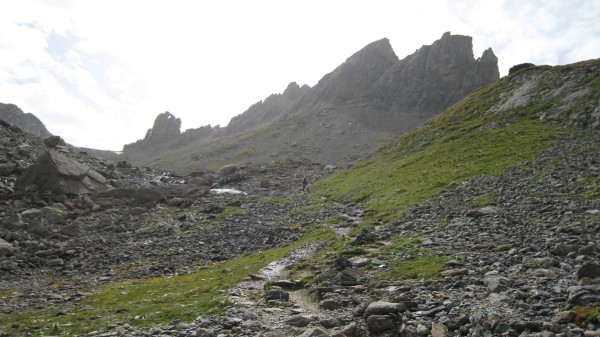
(56, 173)
(6, 249)
(383, 308)
(589, 269)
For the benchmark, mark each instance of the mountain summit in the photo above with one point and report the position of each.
(369, 99)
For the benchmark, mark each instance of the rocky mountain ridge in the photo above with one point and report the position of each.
(369, 99)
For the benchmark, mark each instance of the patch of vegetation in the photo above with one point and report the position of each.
(422, 264)
(482, 200)
(403, 245)
(586, 315)
(422, 267)
(153, 300)
(592, 315)
(389, 184)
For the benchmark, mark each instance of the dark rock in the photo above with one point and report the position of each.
(379, 323)
(431, 312)
(54, 141)
(564, 249)
(329, 304)
(589, 269)
(314, 332)
(518, 67)
(277, 294)
(330, 323)
(364, 237)
(54, 172)
(350, 277)
(300, 320)
(585, 295)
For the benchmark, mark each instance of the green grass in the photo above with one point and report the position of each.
(482, 200)
(422, 267)
(592, 315)
(389, 184)
(151, 301)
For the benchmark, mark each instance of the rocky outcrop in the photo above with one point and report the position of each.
(56, 173)
(166, 127)
(433, 78)
(165, 135)
(25, 121)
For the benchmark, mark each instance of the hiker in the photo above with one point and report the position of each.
(304, 184)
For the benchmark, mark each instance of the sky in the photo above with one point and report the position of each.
(98, 72)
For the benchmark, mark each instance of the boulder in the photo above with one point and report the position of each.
(379, 323)
(55, 214)
(56, 173)
(383, 308)
(6, 248)
(277, 294)
(54, 141)
(589, 269)
(496, 283)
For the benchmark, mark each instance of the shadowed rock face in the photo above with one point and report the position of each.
(165, 127)
(434, 77)
(25, 121)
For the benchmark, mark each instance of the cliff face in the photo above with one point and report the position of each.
(434, 77)
(24, 121)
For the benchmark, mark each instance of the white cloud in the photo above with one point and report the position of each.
(98, 72)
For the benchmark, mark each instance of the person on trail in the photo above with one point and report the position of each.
(304, 184)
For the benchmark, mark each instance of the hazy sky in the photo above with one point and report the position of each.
(98, 73)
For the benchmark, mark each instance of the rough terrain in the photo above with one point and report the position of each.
(522, 264)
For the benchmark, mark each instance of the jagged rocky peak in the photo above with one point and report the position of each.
(266, 111)
(293, 90)
(375, 54)
(435, 76)
(165, 126)
(361, 69)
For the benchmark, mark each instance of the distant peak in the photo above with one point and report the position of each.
(294, 91)
(380, 49)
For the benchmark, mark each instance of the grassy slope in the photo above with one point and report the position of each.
(468, 139)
